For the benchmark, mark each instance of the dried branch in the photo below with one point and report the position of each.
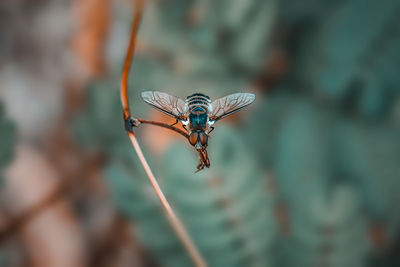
(130, 122)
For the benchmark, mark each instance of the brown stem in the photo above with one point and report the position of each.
(176, 224)
(173, 219)
(129, 57)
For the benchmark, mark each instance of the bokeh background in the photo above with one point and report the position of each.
(309, 175)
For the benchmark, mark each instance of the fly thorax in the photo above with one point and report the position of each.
(198, 119)
(198, 105)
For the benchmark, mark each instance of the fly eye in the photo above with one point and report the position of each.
(193, 138)
(203, 139)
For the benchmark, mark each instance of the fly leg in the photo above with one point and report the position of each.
(174, 123)
(204, 161)
(205, 157)
(200, 166)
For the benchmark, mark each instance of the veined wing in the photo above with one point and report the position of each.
(166, 103)
(227, 105)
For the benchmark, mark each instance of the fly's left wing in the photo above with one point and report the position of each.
(171, 105)
(225, 106)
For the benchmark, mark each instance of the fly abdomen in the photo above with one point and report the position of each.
(198, 100)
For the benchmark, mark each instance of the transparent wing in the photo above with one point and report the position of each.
(166, 103)
(230, 104)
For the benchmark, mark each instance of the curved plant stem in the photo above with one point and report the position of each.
(129, 57)
(172, 218)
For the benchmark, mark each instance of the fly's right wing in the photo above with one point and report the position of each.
(229, 104)
(171, 105)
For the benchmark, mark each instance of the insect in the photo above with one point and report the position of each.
(198, 114)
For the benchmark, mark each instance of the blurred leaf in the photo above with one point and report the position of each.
(302, 160)
(370, 156)
(7, 141)
(347, 51)
(228, 211)
(327, 231)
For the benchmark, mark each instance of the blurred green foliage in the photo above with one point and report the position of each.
(7, 145)
(7, 141)
(229, 218)
(346, 52)
(326, 134)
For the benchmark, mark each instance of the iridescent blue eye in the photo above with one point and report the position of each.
(193, 138)
(203, 138)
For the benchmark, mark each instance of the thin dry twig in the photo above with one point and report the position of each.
(172, 218)
(124, 80)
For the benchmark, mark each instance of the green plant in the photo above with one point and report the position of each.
(7, 141)
(228, 211)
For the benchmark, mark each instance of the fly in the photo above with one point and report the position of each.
(198, 114)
